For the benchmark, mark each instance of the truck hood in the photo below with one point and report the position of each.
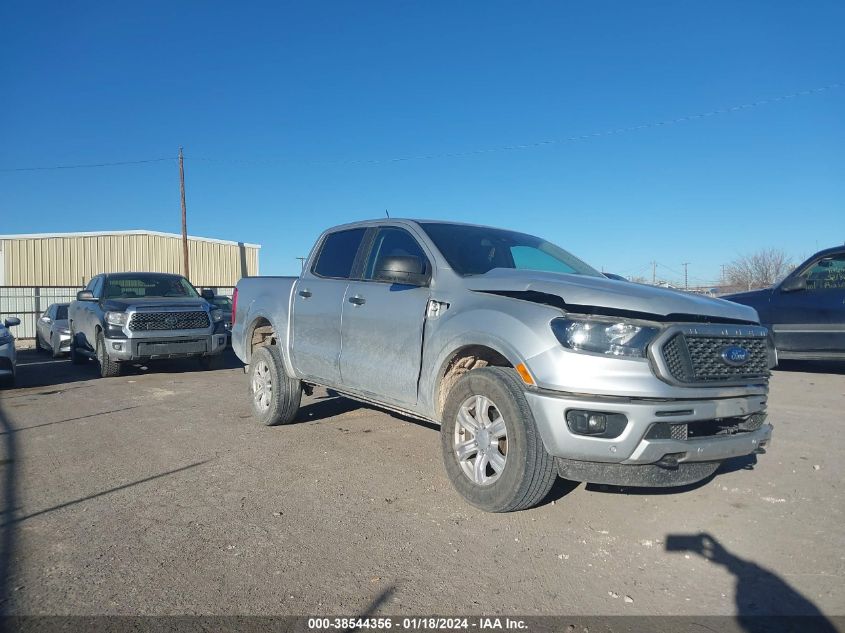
(151, 303)
(599, 295)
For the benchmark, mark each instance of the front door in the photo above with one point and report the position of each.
(318, 305)
(812, 319)
(383, 324)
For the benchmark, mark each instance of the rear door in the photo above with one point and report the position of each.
(383, 324)
(318, 305)
(812, 319)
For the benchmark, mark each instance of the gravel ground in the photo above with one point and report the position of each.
(156, 493)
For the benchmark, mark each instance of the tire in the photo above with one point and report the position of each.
(108, 367)
(274, 395)
(211, 363)
(516, 472)
(55, 348)
(75, 357)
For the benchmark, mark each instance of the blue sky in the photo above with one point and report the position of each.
(290, 115)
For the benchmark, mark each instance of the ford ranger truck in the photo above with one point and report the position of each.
(533, 363)
(137, 317)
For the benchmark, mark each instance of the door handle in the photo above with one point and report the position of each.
(358, 301)
(305, 293)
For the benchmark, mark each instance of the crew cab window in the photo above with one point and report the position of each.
(827, 273)
(392, 242)
(60, 312)
(337, 255)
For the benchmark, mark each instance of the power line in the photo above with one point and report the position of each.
(87, 165)
(489, 150)
(523, 146)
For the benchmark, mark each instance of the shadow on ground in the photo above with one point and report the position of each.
(759, 593)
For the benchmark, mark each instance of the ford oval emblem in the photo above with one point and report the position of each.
(735, 356)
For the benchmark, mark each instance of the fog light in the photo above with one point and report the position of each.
(117, 346)
(596, 423)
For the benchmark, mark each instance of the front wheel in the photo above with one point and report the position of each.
(76, 358)
(274, 395)
(56, 346)
(492, 451)
(211, 363)
(108, 367)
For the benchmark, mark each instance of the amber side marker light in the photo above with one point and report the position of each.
(522, 370)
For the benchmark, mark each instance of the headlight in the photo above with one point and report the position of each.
(608, 337)
(116, 318)
(217, 315)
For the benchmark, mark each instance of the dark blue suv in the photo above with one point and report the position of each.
(806, 311)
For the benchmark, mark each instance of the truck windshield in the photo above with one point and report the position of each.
(475, 250)
(140, 285)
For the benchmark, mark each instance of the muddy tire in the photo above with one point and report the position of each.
(108, 368)
(492, 451)
(274, 395)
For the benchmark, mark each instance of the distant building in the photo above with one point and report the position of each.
(71, 259)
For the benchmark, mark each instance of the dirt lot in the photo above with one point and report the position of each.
(156, 493)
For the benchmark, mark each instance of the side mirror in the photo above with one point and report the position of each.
(793, 284)
(85, 295)
(402, 269)
(12, 322)
(46, 319)
(207, 294)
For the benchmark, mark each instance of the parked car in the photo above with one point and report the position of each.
(533, 363)
(224, 304)
(8, 354)
(51, 330)
(123, 317)
(806, 311)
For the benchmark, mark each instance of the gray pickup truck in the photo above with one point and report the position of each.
(533, 363)
(125, 317)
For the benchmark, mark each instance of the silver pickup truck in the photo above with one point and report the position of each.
(123, 317)
(532, 362)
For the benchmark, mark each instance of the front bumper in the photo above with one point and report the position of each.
(632, 447)
(129, 349)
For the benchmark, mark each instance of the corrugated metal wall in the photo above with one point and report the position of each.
(68, 261)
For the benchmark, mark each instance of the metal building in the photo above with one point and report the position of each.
(71, 259)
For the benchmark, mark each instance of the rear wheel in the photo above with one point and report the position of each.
(108, 367)
(274, 395)
(492, 451)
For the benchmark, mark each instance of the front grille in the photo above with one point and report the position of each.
(697, 359)
(145, 321)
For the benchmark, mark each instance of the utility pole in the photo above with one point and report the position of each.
(187, 270)
(686, 277)
(653, 273)
(302, 262)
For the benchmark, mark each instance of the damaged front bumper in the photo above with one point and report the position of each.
(663, 442)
